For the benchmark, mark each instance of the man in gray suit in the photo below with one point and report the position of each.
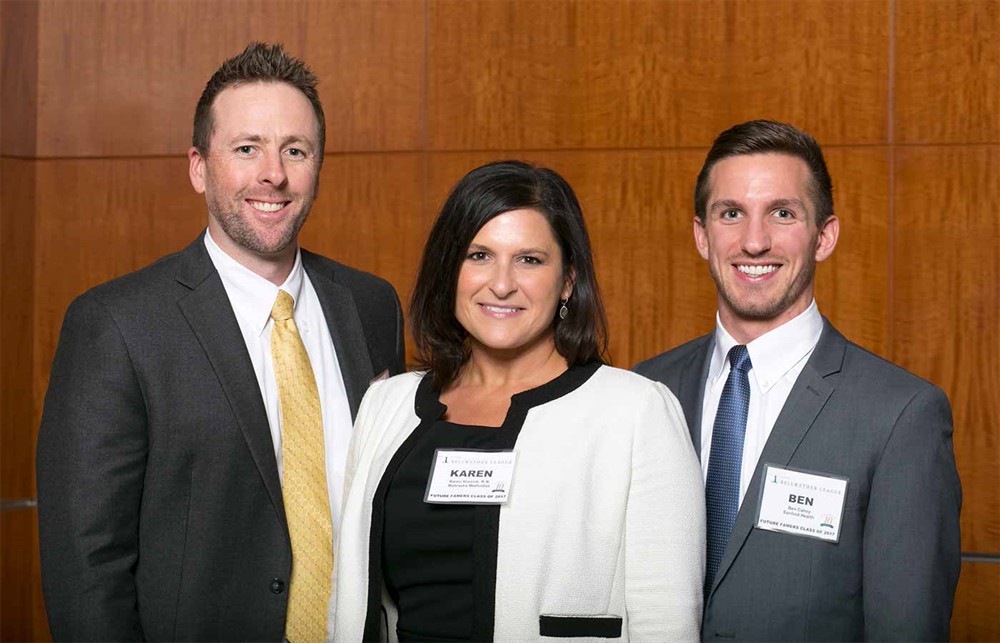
(831, 487)
(167, 442)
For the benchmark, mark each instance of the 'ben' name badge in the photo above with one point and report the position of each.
(470, 477)
(801, 503)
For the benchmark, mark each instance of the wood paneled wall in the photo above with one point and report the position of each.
(623, 98)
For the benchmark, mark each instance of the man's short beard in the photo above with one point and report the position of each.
(763, 311)
(235, 225)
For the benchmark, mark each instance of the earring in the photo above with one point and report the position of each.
(563, 310)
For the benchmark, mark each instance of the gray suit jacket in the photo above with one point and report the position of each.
(159, 502)
(892, 575)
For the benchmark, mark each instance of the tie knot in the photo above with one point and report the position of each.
(282, 308)
(739, 358)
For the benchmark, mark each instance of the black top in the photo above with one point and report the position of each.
(476, 608)
(427, 550)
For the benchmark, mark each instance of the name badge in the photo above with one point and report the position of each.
(802, 503)
(470, 477)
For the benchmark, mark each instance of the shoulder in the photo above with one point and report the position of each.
(387, 408)
(645, 409)
(390, 397)
(625, 390)
(873, 367)
(674, 359)
(144, 292)
(397, 386)
(871, 391)
(617, 381)
(361, 284)
(866, 373)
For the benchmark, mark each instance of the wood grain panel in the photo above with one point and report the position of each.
(369, 215)
(947, 81)
(519, 74)
(638, 210)
(101, 218)
(852, 286)
(18, 77)
(21, 599)
(121, 78)
(17, 240)
(658, 291)
(98, 219)
(975, 615)
(946, 307)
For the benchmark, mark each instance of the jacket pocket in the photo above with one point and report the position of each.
(603, 626)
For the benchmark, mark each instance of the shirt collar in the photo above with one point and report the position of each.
(251, 295)
(775, 352)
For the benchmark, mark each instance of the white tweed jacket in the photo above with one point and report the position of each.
(604, 530)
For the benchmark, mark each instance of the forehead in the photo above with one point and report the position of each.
(759, 176)
(264, 109)
(520, 227)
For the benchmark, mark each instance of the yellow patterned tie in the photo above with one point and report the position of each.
(303, 484)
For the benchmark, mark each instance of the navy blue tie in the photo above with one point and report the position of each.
(722, 486)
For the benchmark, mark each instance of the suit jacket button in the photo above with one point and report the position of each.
(277, 586)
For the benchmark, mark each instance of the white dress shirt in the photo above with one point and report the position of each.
(252, 298)
(778, 358)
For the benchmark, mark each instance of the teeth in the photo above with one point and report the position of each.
(756, 271)
(266, 207)
(498, 309)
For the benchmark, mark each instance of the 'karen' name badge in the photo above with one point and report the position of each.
(801, 503)
(470, 477)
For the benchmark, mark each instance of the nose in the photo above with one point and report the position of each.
(272, 170)
(756, 239)
(503, 283)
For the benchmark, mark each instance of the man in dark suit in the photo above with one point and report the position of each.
(171, 425)
(832, 495)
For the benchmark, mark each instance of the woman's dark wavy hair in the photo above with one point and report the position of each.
(482, 194)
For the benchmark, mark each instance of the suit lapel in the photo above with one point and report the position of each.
(208, 311)
(691, 389)
(807, 398)
(345, 329)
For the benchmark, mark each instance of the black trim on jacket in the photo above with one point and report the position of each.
(429, 409)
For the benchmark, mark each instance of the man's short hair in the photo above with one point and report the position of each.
(258, 63)
(768, 137)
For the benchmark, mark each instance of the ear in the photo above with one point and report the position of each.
(826, 241)
(568, 284)
(196, 170)
(700, 238)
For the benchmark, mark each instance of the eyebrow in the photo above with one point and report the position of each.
(776, 203)
(796, 203)
(520, 251)
(257, 138)
(724, 204)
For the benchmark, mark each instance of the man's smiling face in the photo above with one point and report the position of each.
(761, 240)
(260, 174)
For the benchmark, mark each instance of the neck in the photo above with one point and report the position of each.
(274, 267)
(520, 369)
(745, 330)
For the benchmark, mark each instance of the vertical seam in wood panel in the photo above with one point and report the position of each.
(891, 241)
(425, 108)
(37, 397)
(425, 140)
(425, 103)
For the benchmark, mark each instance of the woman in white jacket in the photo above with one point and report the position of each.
(517, 488)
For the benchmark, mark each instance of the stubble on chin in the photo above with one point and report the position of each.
(753, 304)
(236, 226)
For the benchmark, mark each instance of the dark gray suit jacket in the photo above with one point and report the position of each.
(892, 575)
(159, 502)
